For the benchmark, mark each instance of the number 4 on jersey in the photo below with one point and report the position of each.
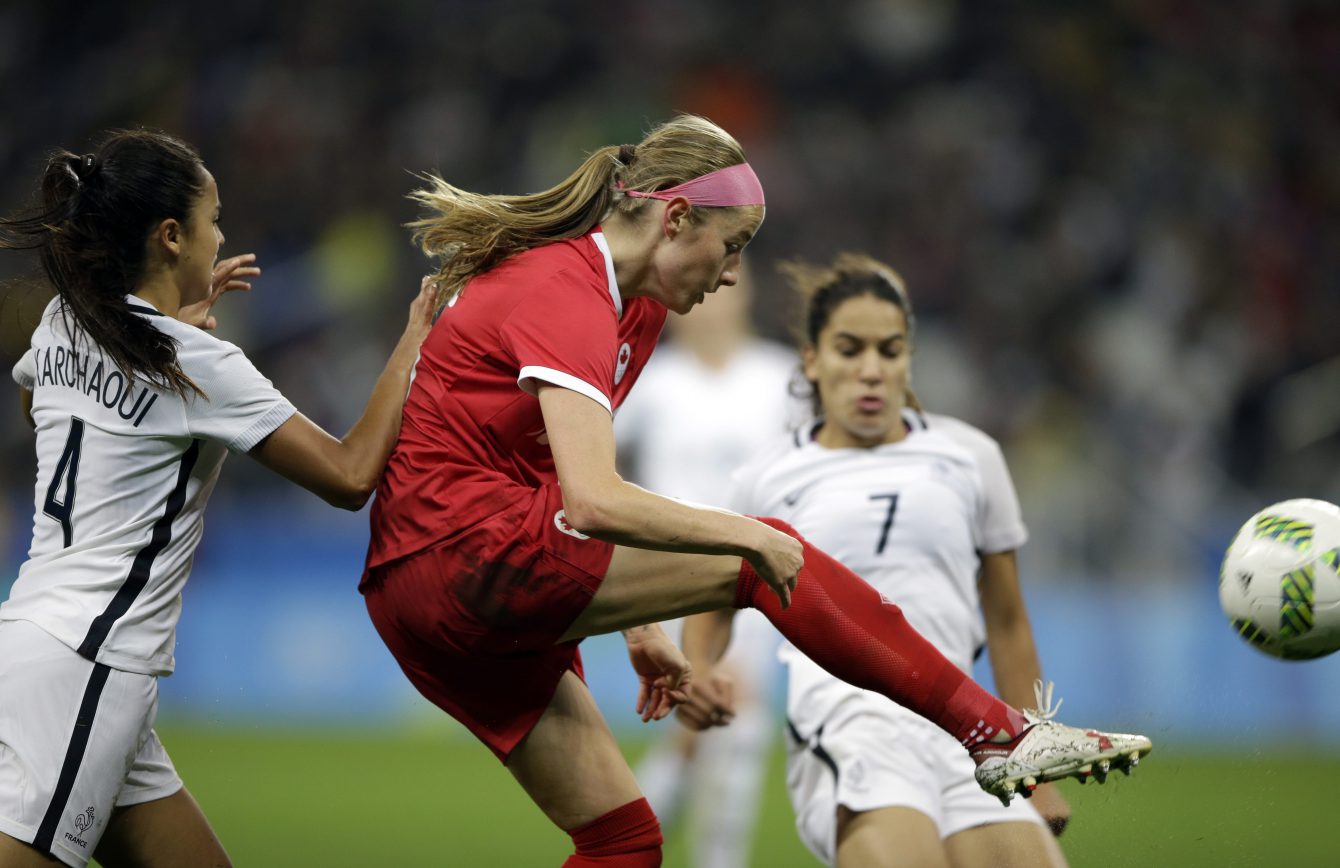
(66, 469)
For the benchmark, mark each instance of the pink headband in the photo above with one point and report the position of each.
(725, 188)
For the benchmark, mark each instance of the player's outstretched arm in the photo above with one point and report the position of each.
(344, 471)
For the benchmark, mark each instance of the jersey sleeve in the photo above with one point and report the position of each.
(243, 407)
(25, 370)
(566, 335)
(1001, 521)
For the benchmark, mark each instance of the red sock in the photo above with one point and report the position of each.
(626, 837)
(847, 627)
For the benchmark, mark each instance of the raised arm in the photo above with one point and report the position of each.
(345, 471)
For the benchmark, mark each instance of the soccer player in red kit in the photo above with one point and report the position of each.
(502, 534)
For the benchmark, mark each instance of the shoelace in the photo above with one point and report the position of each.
(1042, 695)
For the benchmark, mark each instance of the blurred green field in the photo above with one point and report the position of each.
(321, 798)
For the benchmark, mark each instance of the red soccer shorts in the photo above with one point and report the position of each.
(474, 622)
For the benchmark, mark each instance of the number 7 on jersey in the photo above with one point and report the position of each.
(888, 520)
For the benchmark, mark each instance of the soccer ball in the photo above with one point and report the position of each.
(1280, 581)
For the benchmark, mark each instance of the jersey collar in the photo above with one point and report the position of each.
(603, 245)
(141, 306)
(914, 420)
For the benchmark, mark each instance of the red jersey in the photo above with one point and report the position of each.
(472, 442)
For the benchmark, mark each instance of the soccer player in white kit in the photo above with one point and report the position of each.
(135, 407)
(922, 507)
(707, 402)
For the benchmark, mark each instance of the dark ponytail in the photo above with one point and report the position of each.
(91, 230)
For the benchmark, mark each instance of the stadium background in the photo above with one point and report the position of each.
(1120, 222)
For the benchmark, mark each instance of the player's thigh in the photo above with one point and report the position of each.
(888, 838)
(570, 764)
(1005, 845)
(16, 854)
(170, 832)
(641, 586)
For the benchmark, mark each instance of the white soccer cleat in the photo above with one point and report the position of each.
(1049, 751)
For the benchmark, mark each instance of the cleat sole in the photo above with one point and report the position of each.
(1097, 769)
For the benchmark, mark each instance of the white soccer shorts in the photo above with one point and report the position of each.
(869, 759)
(76, 741)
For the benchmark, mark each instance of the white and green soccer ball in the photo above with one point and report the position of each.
(1280, 581)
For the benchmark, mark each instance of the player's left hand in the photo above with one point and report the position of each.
(229, 274)
(663, 672)
(1053, 807)
(711, 701)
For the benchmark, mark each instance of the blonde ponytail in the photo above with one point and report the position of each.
(470, 233)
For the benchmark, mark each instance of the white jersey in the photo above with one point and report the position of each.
(688, 427)
(123, 474)
(909, 517)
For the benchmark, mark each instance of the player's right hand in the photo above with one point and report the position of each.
(422, 310)
(229, 274)
(777, 559)
(663, 672)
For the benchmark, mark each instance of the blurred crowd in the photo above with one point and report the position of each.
(1120, 220)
